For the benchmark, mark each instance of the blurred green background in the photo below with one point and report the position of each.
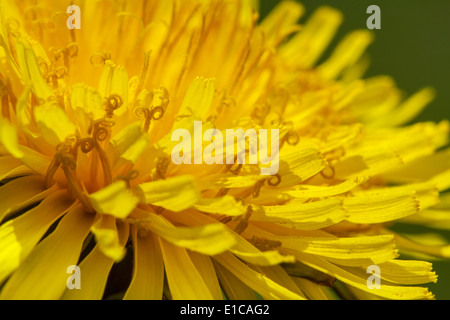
(413, 47)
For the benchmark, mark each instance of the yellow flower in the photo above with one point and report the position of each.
(88, 180)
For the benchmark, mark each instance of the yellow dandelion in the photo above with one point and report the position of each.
(88, 116)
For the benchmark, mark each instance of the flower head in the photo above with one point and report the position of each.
(86, 137)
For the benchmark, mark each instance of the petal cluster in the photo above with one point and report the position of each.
(86, 127)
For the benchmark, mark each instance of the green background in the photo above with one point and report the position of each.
(413, 47)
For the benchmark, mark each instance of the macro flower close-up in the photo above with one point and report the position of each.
(195, 150)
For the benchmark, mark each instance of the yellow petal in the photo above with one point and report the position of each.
(10, 167)
(5, 13)
(114, 81)
(409, 245)
(383, 150)
(8, 138)
(309, 191)
(20, 235)
(280, 276)
(18, 171)
(346, 53)
(224, 181)
(425, 193)
(198, 98)
(53, 123)
(22, 192)
(299, 166)
(94, 274)
(437, 219)
(249, 253)
(308, 45)
(176, 194)
(209, 239)
(31, 72)
(379, 97)
(234, 289)
(108, 238)
(442, 180)
(420, 169)
(241, 247)
(349, 251)
(226, 205)
(185, 281)
(312, 290)
(267, 288)
(408, 110)
(206, 269)
(303, 216)
(383, 208)
(115, 199)
(43, 274)
(32, 159)
(281, 21)
(95, 269)
(87, 105)
(148, 274)
(130, 142)
(402, 272)
(341, 137)
(385, 291)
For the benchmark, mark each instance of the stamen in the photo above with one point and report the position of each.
(258, 187)
(56, 163)
(222, 192)
(4, 99)
(274, 180)
(261, 111)
(229, 102)
(12, 27)
(328, 175)
(45, 67)
(40, 24)
(157, 113)
(131, 175)
(299, 269)
(142, 232)
(292, 138)
(225, 220)
(154, 114)
(149, 114)
(99, 59)
(101, 134)
(12, 31)
(164, 97)
(87, 145)
(112, 103)
(162, 164)
(61, 72)
(142, 112)
(243, 221)
(335, 154)
(51, 25)
(64, 158)
(51, 170)
(69, 166)
(144, 71)
(265, 244)
(236, 170)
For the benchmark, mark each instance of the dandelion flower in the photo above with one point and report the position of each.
(87, 178)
